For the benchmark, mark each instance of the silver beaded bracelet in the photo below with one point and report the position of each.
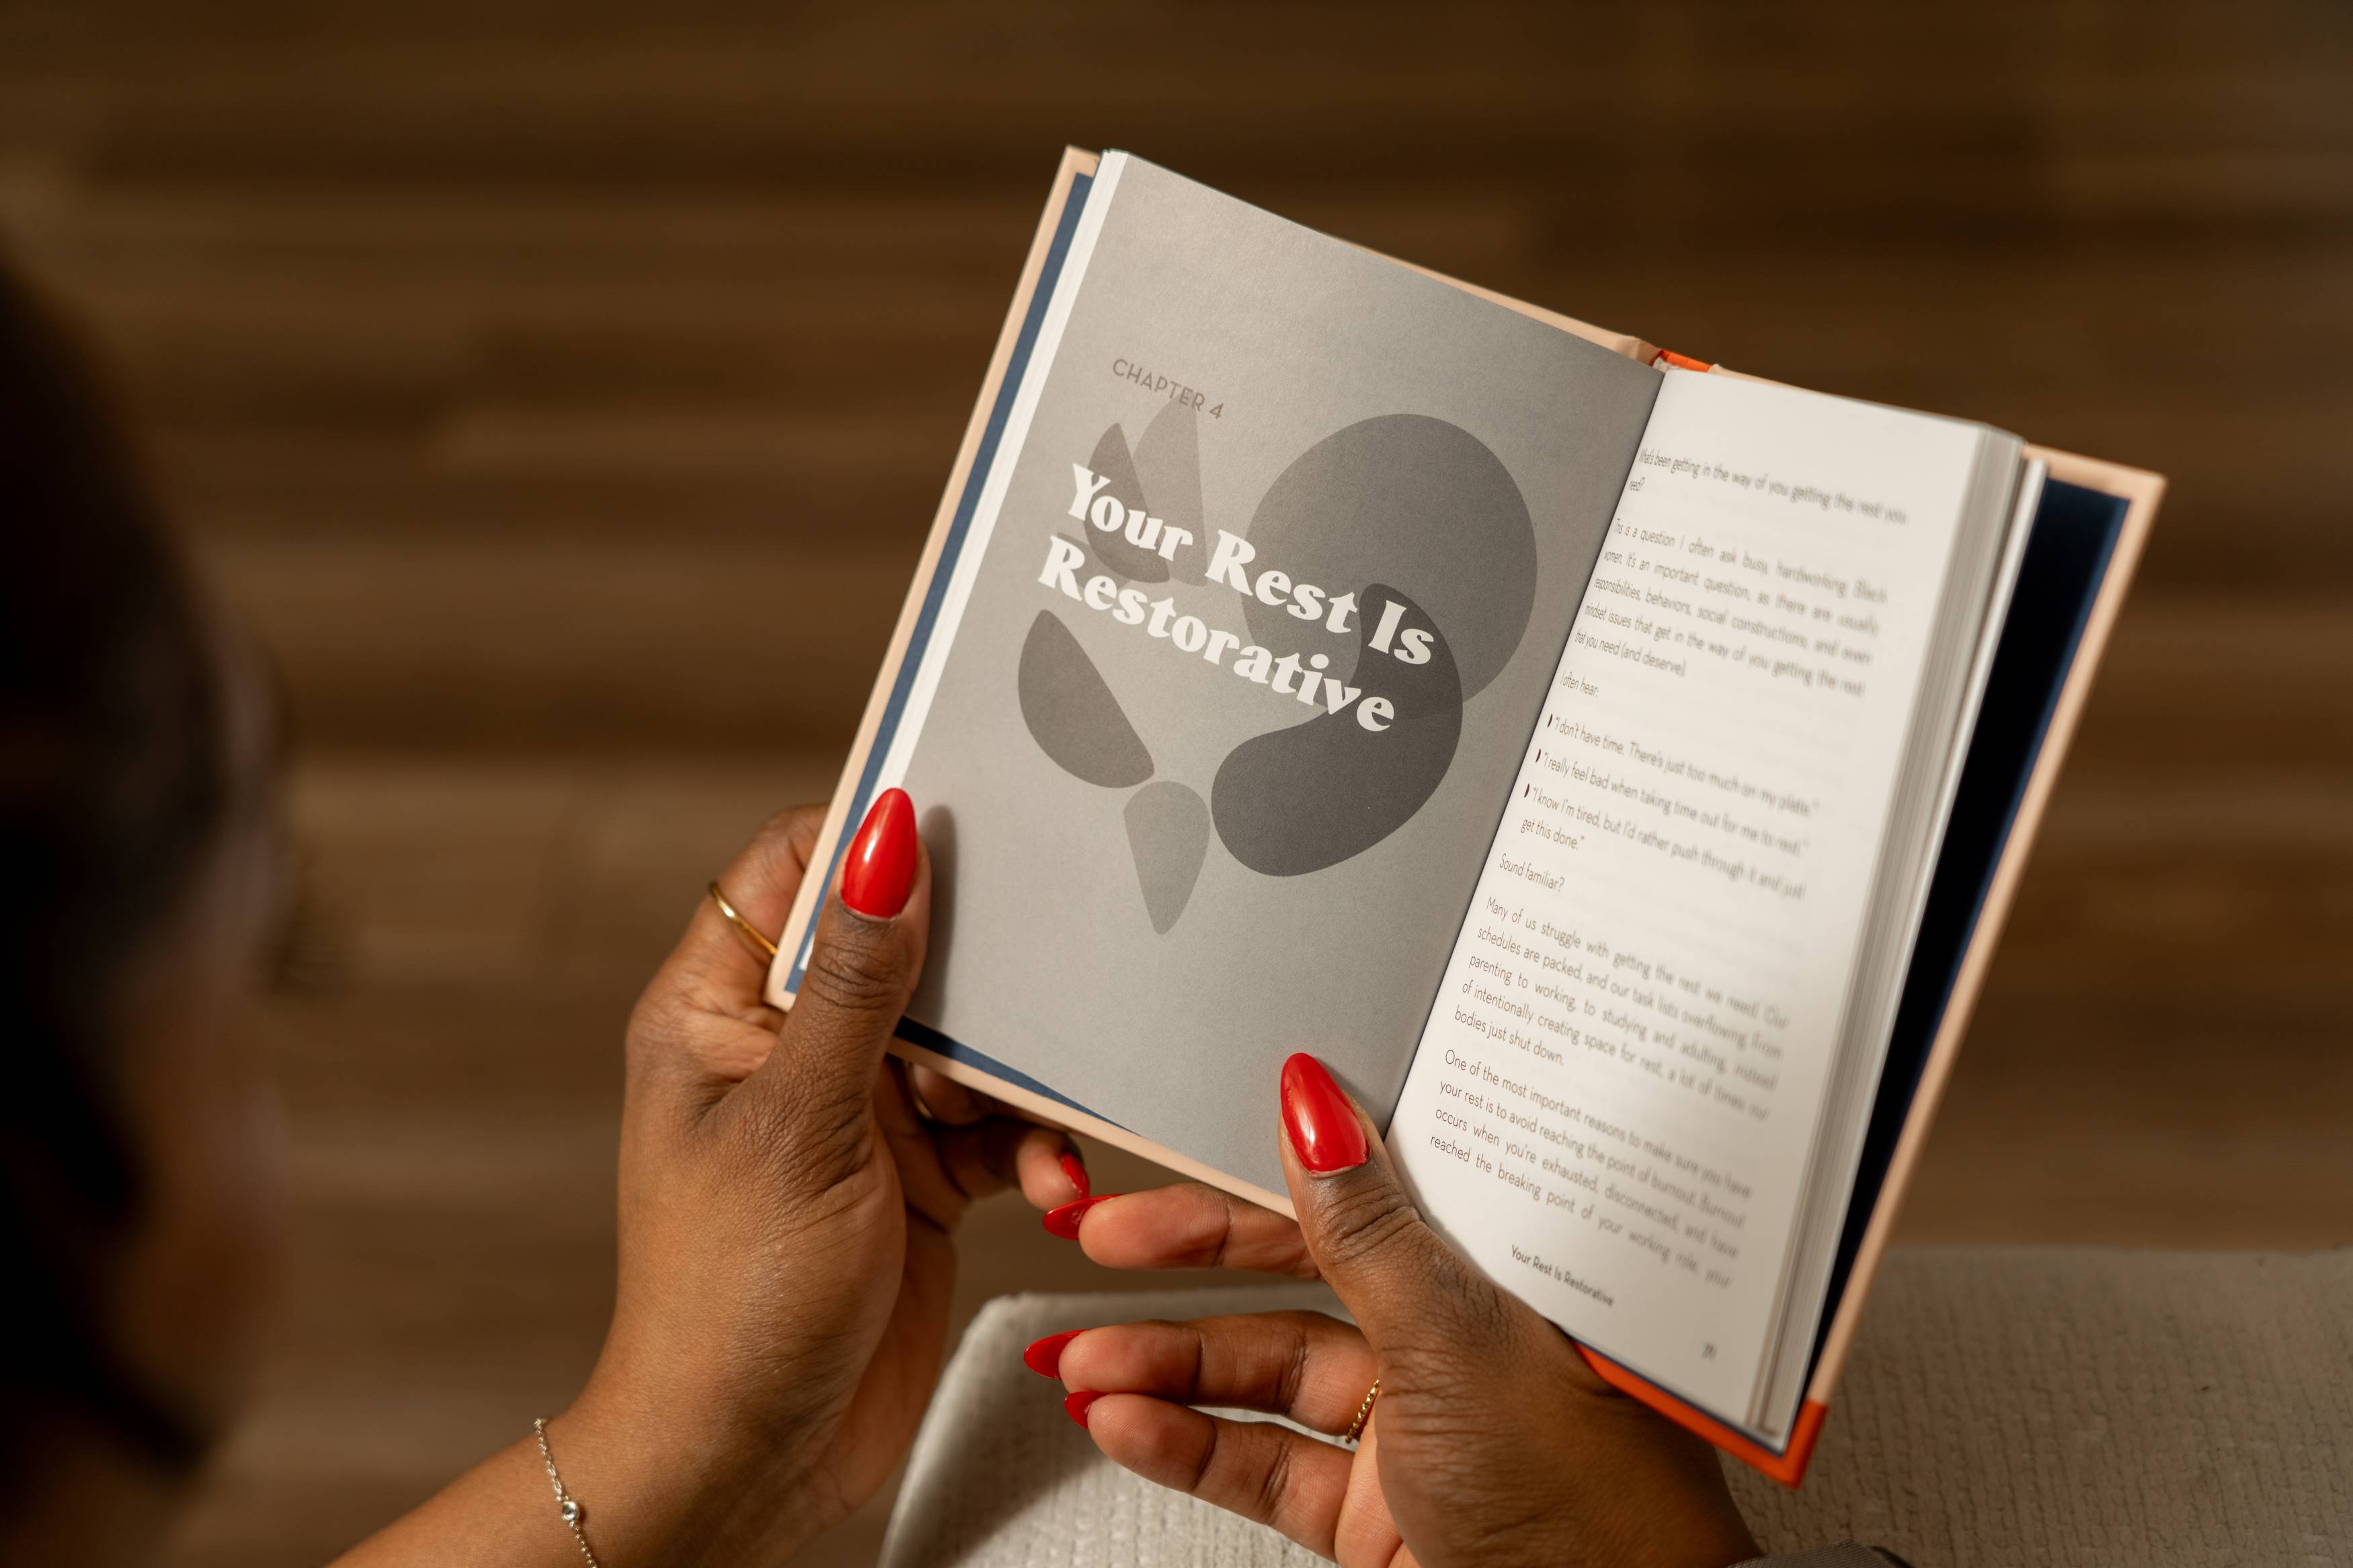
(567, 1506)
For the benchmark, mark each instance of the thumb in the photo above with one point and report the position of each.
(1404, 1285)
(863, 964)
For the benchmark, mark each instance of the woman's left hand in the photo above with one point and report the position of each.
(786, 1263)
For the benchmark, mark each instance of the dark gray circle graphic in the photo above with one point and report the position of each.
(1419, 505)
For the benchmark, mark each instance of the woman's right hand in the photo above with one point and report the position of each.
(1491, 1442)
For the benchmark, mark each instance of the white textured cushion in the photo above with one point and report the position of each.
(2005, 1406)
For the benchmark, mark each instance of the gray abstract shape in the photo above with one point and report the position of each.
(1120, 556)
(1414, 502)
(1071, 713)
(1168, 462)
(1168, 832)
(1299, 799)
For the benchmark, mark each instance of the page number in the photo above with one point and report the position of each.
(1707, 1352)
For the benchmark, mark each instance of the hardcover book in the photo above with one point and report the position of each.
(1615, 768)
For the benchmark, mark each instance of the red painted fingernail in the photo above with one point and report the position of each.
(880, 869)
(1076, 1170)
(1064, 1221)
(1045, 1356)
(1075, 1405)
(1323, 1129)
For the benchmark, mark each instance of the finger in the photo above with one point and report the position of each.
(1404, 1285)
(701, 1026)
(1190, 1226)
(1061, 1176)
(1004, 1152)
(923, 1180)
(862, 965)
(1265, 1473)
(943, 1170)
(715, 958)
(1049, 1170)
(943, 1099)
(1307, 1366)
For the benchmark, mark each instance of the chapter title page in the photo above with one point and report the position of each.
(1258, 610)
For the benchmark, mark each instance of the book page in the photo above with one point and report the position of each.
(1616, 1095)
(1229, 677)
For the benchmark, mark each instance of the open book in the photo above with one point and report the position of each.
(1613, 768)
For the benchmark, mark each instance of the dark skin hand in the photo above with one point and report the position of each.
(787, 1257)
(1492, 1443)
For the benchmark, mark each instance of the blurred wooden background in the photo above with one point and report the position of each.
(562, 390)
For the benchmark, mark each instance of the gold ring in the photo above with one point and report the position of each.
(1363, 1413)
(923, 1112)
(750, 932)
(905, 1070)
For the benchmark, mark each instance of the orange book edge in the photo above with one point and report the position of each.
(1788, 1467)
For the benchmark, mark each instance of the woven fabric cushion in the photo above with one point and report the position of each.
(2038, 1406)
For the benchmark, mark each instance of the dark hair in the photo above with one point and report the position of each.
(113, 786)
